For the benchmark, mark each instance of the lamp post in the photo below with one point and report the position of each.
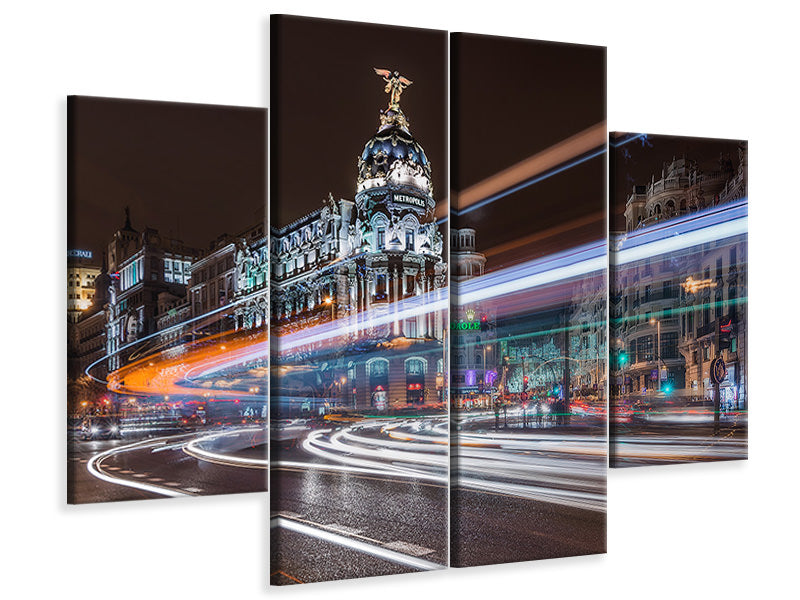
(657, 323)
(485, 348)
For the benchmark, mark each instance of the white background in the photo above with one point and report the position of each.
(726, 530)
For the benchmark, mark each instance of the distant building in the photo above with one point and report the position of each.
(86, 346)
(666, 310)
(142, 265)
(81, 273)
(474, 364)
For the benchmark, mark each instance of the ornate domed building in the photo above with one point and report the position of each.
(362, 258)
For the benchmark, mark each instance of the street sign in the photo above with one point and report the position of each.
(719, 372)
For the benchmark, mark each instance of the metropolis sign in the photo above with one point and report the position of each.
(406, 199)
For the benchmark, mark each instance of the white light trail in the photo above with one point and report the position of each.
(358, 545)
(94, 467)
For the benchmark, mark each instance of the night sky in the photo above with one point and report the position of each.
(637, 161)
(326, 99)
(513, 98)
(192, 171)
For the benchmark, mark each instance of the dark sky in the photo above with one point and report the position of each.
(326, 99)
(513, 98)
(192, 171)
(635, 162)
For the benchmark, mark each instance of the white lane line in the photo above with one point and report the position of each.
(408, 548)
(94, 468)
(345, 529)
(194, 490)
(378, 551)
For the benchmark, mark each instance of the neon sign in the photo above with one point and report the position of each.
(79, 254)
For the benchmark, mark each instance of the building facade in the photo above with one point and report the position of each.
(667, 309)
(81, 273)
(143, 266)
(475, 378)
(359, 260)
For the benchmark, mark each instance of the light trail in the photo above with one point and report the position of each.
(94, 466)
(165, 332)
(374, 549)
(559, 469)
(564, 155)
(196, 450)
(666, 448)
(192, 447)
(430, 302)
(591, 259)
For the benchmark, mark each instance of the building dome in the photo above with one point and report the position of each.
(393, 158)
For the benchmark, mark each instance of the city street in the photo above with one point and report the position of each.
(370, 498)
(666, 439)
(201, 463)
(527, 493)
(365, 499)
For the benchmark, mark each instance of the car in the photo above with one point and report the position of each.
(94, 428)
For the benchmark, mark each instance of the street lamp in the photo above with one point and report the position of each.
(329, 301)
(657, 323)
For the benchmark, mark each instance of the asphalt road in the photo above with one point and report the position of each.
(193, 464)
(358, 501)
(371, 498)
(672, 442)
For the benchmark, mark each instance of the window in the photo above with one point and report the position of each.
(381, 238)
(409, 239)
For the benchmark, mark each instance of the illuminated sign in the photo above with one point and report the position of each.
(405, 199)
(79, 253)
(470, 378)
(465, 325)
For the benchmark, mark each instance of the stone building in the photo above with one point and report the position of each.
(359, 259)
(667, 309)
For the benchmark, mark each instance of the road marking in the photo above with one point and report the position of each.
(408, 548)
(194, 490)
(94, 466)
(155, 479)
(344, 529)
(140, 475)
(372, 549)
(172, 484)
(113, 468)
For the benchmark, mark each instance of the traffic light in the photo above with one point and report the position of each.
(525, 383)
(724, 333)
(484, 322)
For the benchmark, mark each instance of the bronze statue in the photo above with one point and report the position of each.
(395, 84)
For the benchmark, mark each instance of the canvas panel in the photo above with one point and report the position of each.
(359, 300)
(678, 233)
(528, 293)
(166, 260)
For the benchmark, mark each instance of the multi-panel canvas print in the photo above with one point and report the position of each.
(528, 300)
(678, 299)
(166, 300)
(358, 197)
